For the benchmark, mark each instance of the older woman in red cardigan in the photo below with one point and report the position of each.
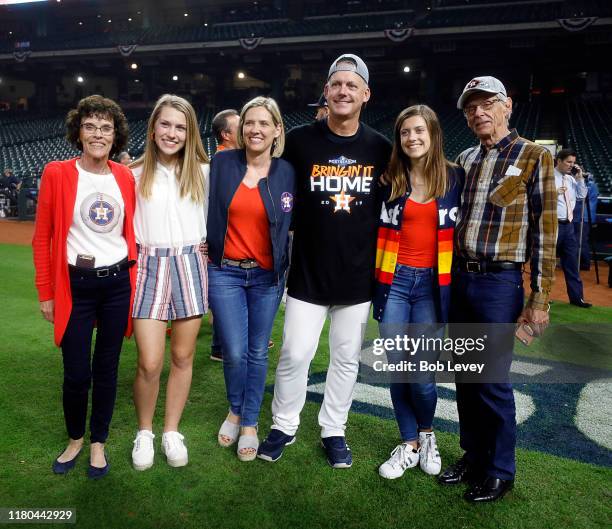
(84, 249)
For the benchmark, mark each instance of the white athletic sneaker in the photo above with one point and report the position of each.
(402, 457)
(175, 449)
(143, 451)
(429, 457)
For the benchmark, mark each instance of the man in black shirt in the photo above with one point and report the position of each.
(338, 163)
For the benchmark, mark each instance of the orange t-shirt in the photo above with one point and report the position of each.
(248, 230)
(417, 247)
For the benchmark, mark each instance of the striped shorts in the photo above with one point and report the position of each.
(171, 284)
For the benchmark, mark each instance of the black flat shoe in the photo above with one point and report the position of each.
(98, 472)
(66, 466)
(460, 472)
(488, 489)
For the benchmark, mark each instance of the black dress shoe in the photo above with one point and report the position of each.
(488, 489)
(460, 472)
(582, 304)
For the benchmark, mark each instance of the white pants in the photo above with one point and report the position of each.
(303, 324)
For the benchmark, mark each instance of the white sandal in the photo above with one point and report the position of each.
(231, 431)
(248, 442)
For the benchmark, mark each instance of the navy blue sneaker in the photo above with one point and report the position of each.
(271, 449)
(337, 452)
(98, 472)
(66, 466)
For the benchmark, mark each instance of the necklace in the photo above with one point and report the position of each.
(94, 181)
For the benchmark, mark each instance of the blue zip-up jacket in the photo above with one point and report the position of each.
(227, 169)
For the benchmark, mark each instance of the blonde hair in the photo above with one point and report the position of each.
(278, 145)
(436, 164)
(188, 170)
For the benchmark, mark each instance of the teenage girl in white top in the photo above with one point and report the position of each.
(171, 183)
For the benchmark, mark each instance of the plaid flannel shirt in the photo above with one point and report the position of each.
(509, 209)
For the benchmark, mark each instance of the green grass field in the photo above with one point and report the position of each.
(215, 489)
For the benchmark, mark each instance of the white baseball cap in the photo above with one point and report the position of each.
(486, 83)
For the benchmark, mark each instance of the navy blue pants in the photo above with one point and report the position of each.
(487, 415)
(567, 250)
(105, 302)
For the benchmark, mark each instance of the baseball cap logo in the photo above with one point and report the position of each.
(477, 82)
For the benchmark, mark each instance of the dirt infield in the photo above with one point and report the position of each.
(16, 232)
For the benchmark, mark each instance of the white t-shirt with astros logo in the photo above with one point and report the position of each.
(97, 221)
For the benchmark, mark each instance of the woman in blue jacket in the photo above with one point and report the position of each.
(250, 205)
(413, 265)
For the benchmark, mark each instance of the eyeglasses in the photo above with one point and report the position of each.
(90, 128)
(470, 110)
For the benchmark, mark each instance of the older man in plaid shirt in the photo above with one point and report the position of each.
(507, 217)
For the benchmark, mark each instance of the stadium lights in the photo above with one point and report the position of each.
(241, 75)
(175, 77)
(406, 69)
(133, 66)
(80, 79)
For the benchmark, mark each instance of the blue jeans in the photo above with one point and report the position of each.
(487, 415)
(244, 303)
(411, 301)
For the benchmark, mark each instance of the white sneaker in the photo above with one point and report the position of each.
(175, 449)
(143, 451)
(404, 456)
(429, 457)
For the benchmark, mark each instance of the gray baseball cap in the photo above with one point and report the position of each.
(486, 83)
(350, 63)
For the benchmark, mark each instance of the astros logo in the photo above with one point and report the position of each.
(101, 213)
(342, 201)
(286, 202)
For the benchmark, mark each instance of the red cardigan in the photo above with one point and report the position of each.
(54, 214)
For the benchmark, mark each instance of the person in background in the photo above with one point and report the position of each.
(84, 248)
(170, 224)
(413, 265)
(251, 203)
(225, 129)
(10, 181)
(321, 106)
(124, 158)
(569, 181)
(10, 186)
